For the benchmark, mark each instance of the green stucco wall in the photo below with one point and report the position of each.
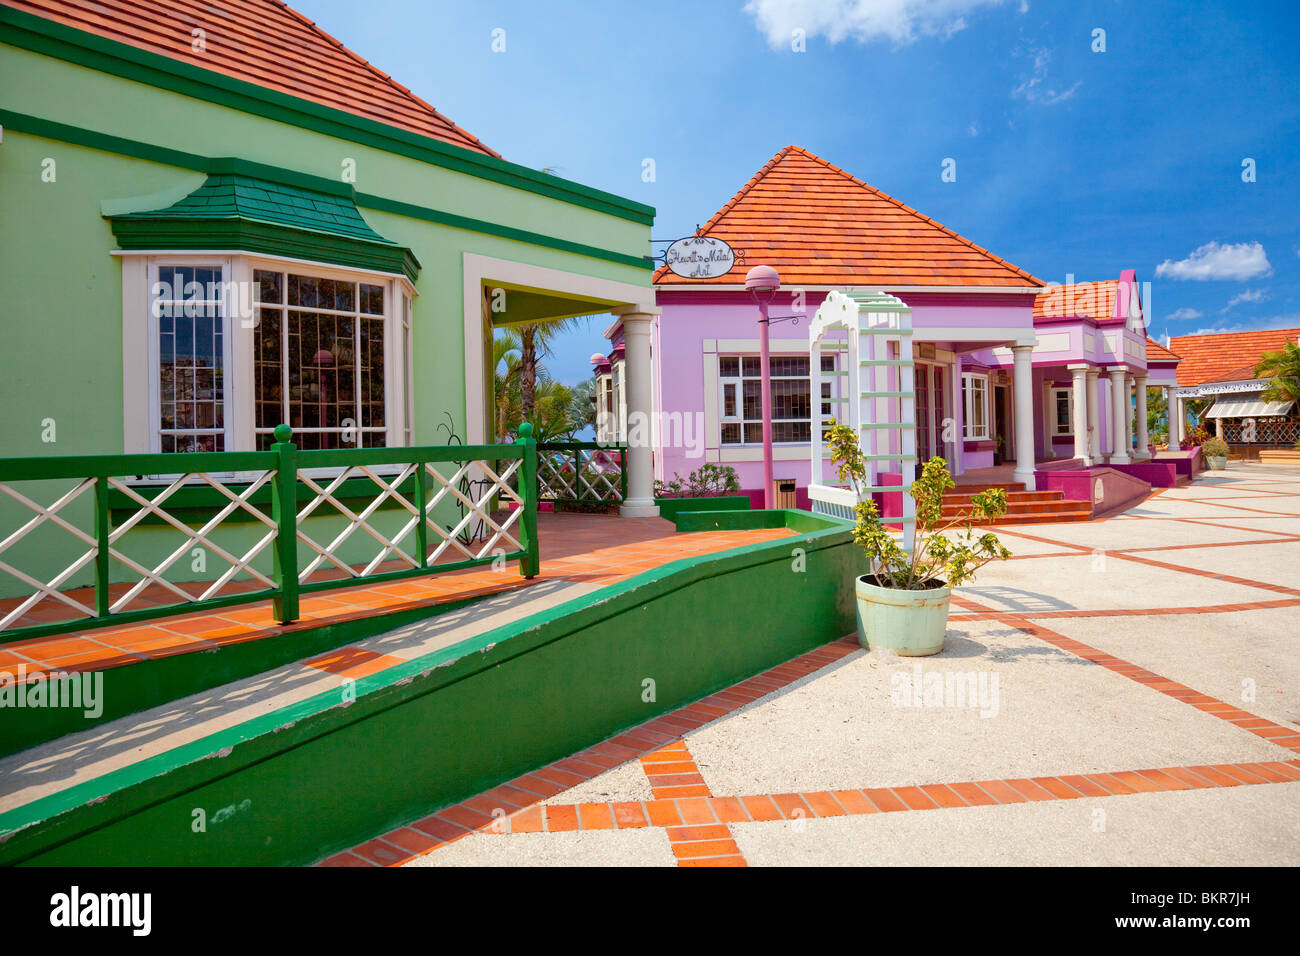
(311, 779)
(61, 289)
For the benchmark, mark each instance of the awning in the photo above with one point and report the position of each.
(241, 212)
(1255, 409)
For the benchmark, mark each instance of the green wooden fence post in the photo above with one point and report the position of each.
(531, 563)
(101, 546)
(284, 511)
(421, 502)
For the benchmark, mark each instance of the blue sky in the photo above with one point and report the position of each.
(1069, 161)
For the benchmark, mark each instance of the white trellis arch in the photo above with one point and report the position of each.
(870, 334)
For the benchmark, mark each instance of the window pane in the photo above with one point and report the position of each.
(729, 400)
(270, 286)
(789, 365)
(828, 363)
(753, 367)
(372, 299)
(753, 433)
(729, 366)
(731, 434)
(191, 381)
(753, 405)
(790, 398)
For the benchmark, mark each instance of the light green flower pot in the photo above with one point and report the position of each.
(911, 623)
(1216, 462)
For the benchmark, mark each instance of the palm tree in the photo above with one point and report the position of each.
(1283, 369)
(535, 340)
(505, 368)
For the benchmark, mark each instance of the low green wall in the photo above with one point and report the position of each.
(132, 688)
(670, 508)
(303, 782)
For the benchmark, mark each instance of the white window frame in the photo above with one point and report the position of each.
(968, 393)
(1056, 393)
(140, 352)
(154, 376)
(814, 402)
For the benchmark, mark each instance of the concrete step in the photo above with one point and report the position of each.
(965, 489)
(957, 497)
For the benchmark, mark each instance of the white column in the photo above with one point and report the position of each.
(637, 373)
(1023, 383)
(1079, 402)
(1094, 417)
(1218, 427)
(1178, 424)
(1143, 438)
(1119, 415)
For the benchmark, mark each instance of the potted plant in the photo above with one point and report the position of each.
(997, 450)
(1215, 450)
(903, 601)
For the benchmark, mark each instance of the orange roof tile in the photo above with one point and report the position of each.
(1095, 300)
(262, 42)
(818, 225)
(1213, 357)
(1158, 353)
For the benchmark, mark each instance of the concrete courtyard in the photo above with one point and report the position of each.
(1122, 692)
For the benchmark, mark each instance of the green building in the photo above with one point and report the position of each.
(215, 223)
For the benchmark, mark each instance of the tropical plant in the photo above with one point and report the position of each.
(936, 559)
(707, 481)
(1282, 368)
(535, 341)
(505, 373)
(1157, 413)
(1215, 447)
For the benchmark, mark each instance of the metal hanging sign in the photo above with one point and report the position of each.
(700, 257)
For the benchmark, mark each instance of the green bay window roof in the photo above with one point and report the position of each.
(236, 211)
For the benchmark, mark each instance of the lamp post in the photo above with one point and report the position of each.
(762, 283)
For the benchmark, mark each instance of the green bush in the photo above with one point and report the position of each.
(1214, 447)
(707, 481)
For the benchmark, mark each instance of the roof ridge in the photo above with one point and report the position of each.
(762, 173)
(904, 206)
(325, 35)
(744, 190)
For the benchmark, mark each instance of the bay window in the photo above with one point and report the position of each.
(319, 360)
(220, 350)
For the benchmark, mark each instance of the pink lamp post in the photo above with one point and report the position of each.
(762, 283)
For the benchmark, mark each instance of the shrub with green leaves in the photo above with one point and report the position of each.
(707, 481)
(936, 558)
(1214, 447)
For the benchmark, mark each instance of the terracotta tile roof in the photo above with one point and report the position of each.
(262, 42)
(1208, 358)
(818, 225)
(1158, 353)
(1095, 300)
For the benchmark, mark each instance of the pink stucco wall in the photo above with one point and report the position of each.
(693, 320)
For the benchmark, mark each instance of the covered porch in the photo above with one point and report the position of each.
(499, 293)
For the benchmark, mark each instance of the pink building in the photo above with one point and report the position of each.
(1006, 367)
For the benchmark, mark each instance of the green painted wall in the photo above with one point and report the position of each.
(60, 287)
(312, 779)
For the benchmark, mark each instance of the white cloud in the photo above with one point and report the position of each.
(1033, 88)
(900, 21)
(974, 128)
(1181, 315)
(1240, 261)
(1255, 325)
(1250, 295)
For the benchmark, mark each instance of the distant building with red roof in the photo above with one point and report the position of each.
(1221, 366)
(995, 352)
